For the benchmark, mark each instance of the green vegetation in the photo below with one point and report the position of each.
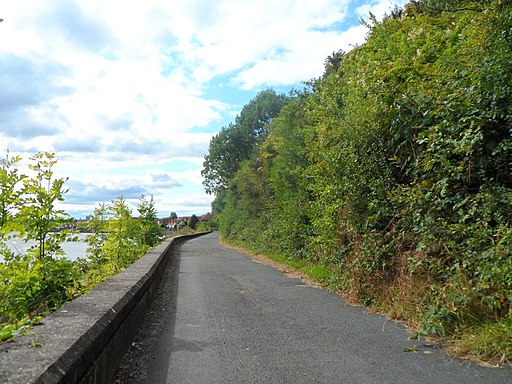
(393, 171)
(40, 281)
(234, 144)
(117, 239)
(34, 283)
(192, 226)
(193, 222)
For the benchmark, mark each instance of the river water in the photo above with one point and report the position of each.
(73, 249)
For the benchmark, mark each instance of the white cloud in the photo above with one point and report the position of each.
(292, 67)
(244, 33)
(188, 204)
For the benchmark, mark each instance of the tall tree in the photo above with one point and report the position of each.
(194, 220)
(235, 142)
(38, 212)
(150, 230)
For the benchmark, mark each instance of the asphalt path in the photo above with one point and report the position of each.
(221, 317)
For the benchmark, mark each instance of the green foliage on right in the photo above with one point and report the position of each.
(394, 171)
(234, 143)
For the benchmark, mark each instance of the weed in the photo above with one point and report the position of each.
(490, 341)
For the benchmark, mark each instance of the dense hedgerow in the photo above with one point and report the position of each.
(394, 170)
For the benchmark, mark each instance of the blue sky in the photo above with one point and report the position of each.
(129, 93)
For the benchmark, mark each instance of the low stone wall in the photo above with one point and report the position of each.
(86, 339)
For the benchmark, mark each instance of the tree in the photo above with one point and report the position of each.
(236, 142)
(38, 214)
(150, 230)
(97, 228)
(192, 223)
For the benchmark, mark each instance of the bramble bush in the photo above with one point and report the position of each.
(394, 171)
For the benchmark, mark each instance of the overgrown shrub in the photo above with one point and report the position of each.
(37, 282)
(394, 168)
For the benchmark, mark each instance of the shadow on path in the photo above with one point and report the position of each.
(157, 328)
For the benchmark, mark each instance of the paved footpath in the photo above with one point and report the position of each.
(220, 317)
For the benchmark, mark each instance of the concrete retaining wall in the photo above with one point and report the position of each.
(86, 339)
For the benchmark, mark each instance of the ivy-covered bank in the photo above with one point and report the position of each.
(393, 171)
(40, 281)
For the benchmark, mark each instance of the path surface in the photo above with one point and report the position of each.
(220, 317)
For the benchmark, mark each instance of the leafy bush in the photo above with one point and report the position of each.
(394, 169)
(40, 281)
(117, 239)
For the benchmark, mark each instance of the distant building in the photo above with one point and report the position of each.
(205, 218)
(172, 224)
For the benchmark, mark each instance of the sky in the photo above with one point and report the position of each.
(128, 94)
